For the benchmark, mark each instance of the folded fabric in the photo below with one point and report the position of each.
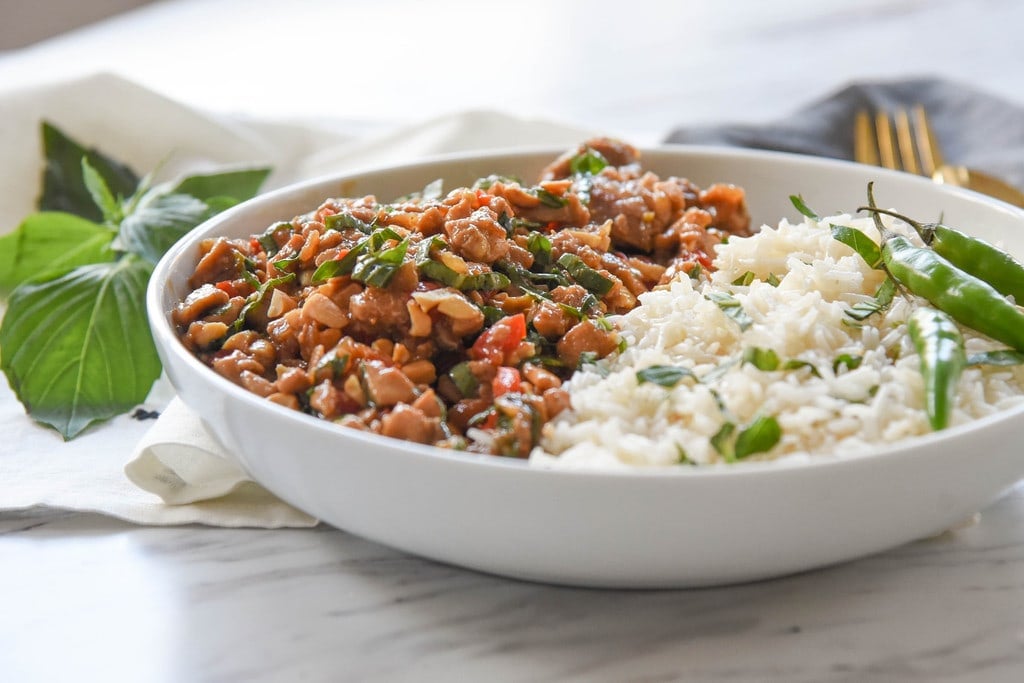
(975, 128)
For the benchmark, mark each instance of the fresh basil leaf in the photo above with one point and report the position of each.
(859, 242)
(765, 360)
(1000, 357)
(881, 301)
(160, 220)
(801, 206)
(584, 275)
(63, 185)
(376, 269)
(797, 364)
(539, 245)
(257, 297)
(731, 306)
(464, 379)
(110, 207)
(849, 361)
(663, 375)
(745, 279)
(51, 242)
(549, 199)
(759, 437)
(77, 349)
(218, 188)
(338, 267)
(722, 441)
(346, 221)
(590, 162)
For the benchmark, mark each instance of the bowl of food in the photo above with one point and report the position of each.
(593, 367)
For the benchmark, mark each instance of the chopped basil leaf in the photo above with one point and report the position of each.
(664, 375)
(505, 221)
(550, 200)
(584, 275)
(859, 242)
(798, 203)
(284, 264)
(883, 297)
(797, 364)
(684, 459)
(257, 297)
(590, 162)
(376, 269)
(343, 266)
(722, 441)
(464, 379)
(540, 246)
(745, 279)
(267, 240)
(760, 437)
(337, 364)
(346, 221)
(492, 314)
(849, 361)
(732, 308)
(762, 359)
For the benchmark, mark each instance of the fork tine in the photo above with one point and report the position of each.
(886, 146)
(905, 140)
(927, 143)
(865, 150)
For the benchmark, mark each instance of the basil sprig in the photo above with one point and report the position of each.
(74, 342)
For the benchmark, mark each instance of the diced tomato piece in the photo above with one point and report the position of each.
(254, 245)
(502, 337)
(507, 381)
(324, 212)
(552, 226)
(228, 287)
(482, 198)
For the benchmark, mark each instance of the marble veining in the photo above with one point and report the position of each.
(320, 604)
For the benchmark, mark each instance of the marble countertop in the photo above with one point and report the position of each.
(90, 598)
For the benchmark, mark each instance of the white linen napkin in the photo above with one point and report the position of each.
(173, 472)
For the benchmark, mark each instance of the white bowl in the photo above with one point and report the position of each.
(685, 527)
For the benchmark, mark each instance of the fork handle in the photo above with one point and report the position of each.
(979, 182)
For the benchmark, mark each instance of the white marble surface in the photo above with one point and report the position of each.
(88, 598)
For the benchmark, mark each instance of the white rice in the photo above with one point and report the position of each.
(618, 422)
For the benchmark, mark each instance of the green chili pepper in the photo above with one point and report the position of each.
(941, 347)
(976, 256)
(970, 300)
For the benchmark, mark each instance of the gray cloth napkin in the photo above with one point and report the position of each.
(974, 128)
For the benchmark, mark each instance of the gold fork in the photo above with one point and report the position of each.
(908, 143)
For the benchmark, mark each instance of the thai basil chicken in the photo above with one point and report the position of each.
(451, 319)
